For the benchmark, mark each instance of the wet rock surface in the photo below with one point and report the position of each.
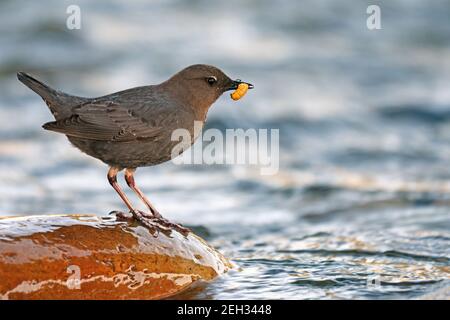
(90, 257)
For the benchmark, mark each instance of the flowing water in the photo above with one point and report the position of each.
(360, 207)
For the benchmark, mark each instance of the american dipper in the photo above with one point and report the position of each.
(133, 128)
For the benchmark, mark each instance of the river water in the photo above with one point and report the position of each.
(360, 206)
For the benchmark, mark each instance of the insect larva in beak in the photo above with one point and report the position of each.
(240, 91)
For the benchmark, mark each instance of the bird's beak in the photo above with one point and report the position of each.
(236, 83)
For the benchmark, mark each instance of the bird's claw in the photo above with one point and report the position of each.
(171, 225)
(138, 213)
(150, 220)
(121, 215)
(156, 218)
(155, 213)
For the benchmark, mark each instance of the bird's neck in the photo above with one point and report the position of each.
(187, 98)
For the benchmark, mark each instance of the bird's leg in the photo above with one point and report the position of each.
(145, 219)
(129, 178)
(112, 178)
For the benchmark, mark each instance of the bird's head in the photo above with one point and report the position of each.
(201, 85)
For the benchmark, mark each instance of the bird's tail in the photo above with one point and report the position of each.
(60, 103)
(48, 94)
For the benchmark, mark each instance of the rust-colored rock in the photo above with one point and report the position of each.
(90, 257)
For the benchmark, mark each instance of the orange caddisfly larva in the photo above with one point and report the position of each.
(240, 91)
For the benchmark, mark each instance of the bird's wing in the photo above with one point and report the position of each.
(106, 121)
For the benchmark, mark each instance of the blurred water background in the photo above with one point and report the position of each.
(363, 190)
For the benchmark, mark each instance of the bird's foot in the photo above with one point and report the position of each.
(151, 221)
(153, 213)
(156, 219)
(121, 215)
(150, 215)
(171, 225)
(156, 214)
(130, 216)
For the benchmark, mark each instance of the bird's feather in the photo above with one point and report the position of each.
(105, 121)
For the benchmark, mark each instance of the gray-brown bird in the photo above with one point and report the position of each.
(133, 128)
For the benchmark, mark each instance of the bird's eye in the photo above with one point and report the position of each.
(211, 80)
